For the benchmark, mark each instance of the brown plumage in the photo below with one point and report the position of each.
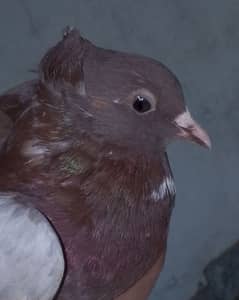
(88, 141)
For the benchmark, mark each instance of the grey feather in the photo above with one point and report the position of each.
(31, 258)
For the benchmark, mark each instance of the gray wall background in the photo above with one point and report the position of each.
(199, 40)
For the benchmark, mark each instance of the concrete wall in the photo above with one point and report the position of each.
(199, 40)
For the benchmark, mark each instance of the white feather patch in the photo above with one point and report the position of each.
(33, 148)
(31, 257)
(167, 187)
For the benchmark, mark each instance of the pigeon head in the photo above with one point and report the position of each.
(119, 99)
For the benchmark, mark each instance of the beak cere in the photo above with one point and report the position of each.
(191, 130)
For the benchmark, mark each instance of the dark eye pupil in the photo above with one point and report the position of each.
(141, 104)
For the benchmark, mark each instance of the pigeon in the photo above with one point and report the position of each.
(84, 145)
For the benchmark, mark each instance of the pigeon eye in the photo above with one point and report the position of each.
(142, 104)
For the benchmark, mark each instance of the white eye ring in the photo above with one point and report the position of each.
(142, 101)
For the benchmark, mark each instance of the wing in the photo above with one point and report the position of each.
(6, 126)
(14, 101)
(31, 257)
(13, 104)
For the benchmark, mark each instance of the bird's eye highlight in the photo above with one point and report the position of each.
(142, 104)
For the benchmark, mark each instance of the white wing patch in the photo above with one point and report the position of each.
(31, 257)
(167, 187)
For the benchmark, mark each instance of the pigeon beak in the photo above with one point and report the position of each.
(191, 130)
